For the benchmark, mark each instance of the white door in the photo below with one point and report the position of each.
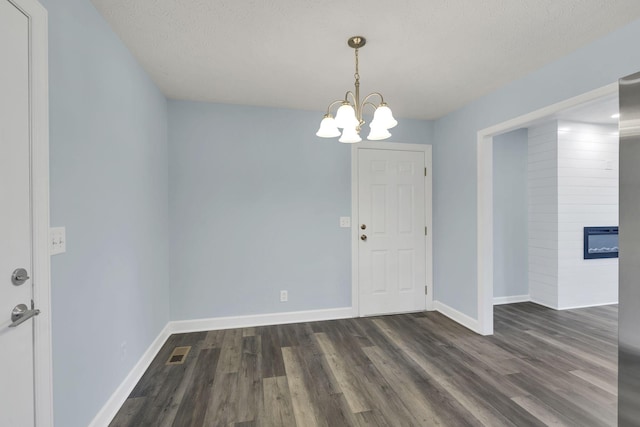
(16, 343)
(392, 244)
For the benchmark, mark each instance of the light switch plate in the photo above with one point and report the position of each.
(345, 221)
(57, 240)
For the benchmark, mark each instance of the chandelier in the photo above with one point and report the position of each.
(349, 114)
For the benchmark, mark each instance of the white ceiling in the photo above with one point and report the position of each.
(427, 57)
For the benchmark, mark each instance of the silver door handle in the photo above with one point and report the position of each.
(21, 314)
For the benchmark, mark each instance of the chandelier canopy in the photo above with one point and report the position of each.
(349, 114)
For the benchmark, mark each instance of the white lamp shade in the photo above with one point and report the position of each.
(328, 128)
(383, 118)
(346, 117)
(378, 134)
(350, 135)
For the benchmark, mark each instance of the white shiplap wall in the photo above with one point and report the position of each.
(542, 188)
(587, 196)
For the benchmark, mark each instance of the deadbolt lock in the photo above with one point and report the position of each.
(19, 276)
(363, 226)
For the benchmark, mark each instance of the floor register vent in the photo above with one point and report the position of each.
(178, 355)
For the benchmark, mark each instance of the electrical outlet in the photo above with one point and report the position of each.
(345, 222)
(57, 240)
(284, 296)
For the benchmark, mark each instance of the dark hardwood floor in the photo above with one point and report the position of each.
(542, 367)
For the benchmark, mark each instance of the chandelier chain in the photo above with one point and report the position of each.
(357, 74)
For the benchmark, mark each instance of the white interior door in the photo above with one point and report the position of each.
(16, 343)
(392, 243)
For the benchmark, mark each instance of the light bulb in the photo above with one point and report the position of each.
(378, 134)
(350, 135)
(346, 116)
(328, 128)
(383, 117)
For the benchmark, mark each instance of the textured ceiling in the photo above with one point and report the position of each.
(428, 57)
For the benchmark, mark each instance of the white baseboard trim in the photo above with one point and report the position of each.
(542, 303)
(587, 306)
(511, 300)
(572, 307)
(215, 323)
(457, 316)
(111, 408)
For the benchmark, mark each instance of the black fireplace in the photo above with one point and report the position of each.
(600, 242)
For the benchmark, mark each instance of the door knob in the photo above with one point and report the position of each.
(19, 276)
(363, 226)
(363, 237)
(21, 314)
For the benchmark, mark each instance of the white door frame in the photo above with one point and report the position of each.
(355, 259)
(41, 275)
(485, 195)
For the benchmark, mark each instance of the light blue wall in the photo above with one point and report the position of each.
(255, 199)
(510, 215)
(109, 188)
(455, 264)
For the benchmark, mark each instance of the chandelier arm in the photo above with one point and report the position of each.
(353, 97)
(366, 98)
(374, 106)
(332, 104)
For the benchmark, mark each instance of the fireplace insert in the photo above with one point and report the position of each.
(600, 242)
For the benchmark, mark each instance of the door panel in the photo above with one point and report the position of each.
(391, 204)
(16, 359)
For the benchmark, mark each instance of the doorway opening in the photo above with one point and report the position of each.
(485, 179)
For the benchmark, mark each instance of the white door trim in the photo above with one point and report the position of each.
(355, 262)
(485, 195)
(39, 127)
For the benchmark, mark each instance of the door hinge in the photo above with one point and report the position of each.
(425, 171)
(426, 231)
(426, 289)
